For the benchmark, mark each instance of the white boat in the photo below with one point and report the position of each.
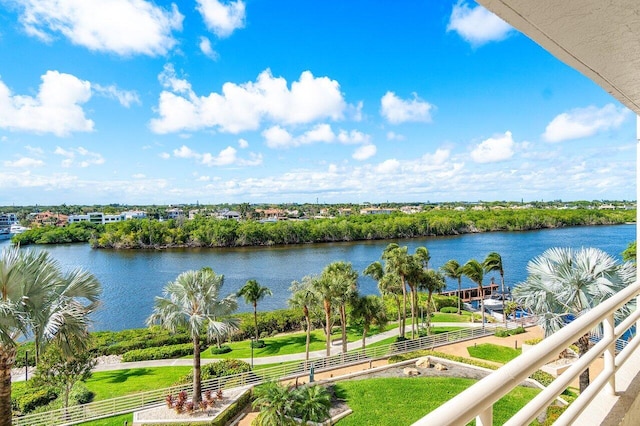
(496, 301)
(4, 234)
(16, 228)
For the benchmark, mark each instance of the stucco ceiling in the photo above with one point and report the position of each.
(599, 38)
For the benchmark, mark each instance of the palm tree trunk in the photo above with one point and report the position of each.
(429, 296)
(308, 320)
(459, 295)
(404, 309)
(583, 347)
(503, 295)
(343, 322)
(395, 296)
(365, 330)
(481, 292)
(413, 311)
(327, 332)
(255, 318)
(196, 371)
(7, 360)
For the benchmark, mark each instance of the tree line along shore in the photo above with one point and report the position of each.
(211, 232)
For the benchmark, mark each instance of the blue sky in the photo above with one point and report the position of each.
(138, 102)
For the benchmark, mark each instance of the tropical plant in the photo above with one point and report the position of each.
(388, 284)
(342, 282)
(397, 262)
(629, 254)
(253, 292)
(432, 281)
(452, 270)
(275, 402)
(31, 281)
(493, 262)
(303, 297)
(368, 310)
(563, 283)
(312, 404)
(193, 302)
(475, 272)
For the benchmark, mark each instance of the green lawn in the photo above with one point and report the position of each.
(286, 344)
(491, 352)
(110, 384)
(402, 401)
(442, 317)
(112, 421)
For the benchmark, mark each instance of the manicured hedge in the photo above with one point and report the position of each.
(220, 350)
(32, 399)
(119, 342)
(162, 352)
(226, 367)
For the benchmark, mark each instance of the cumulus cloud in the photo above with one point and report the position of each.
(393, 136)
(123, 27)
(80, 157)
(242, 107)
(164, 155)
(207, 49)
(226, 157)
(396, 110)
(494, 149)
(222, 18)
(388, 166)
(364, 152)
(242, 143)
(125, 97)
(477, 25)
(55, 109)
(584, 122)
(24, 162)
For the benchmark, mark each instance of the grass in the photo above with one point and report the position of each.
(111, 421)
(442, 317)
(386, 401)
(110, 384)
(496, 353)
(286, 344)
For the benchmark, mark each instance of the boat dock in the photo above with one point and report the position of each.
(470, 294)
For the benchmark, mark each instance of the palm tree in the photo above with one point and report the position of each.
(275, 402)
(312, 404)
(563, 283)
(475, 272)
(193, 302)
(31, 281)
(452, 270)
(493, 262)
(431, 281)
(388, 284)
(303, 297)
(253, 293)
(397, 262)
(368, 310)
(343, 283)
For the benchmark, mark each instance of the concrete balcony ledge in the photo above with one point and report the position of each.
(622, 409)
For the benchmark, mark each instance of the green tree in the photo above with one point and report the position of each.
(63, 371)
(629, 254)
(312, 404)
(192, 302)
(493, 262)
(275, 402)
(253, 293)
(397, 261)
(452, 270)
(432, 281)
(304, 297)
(388, 284)
(563, 283)
(475, 272)
(342, 281)
(28, 280)
(367, 311)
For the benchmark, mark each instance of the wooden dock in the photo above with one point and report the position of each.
(469, 294)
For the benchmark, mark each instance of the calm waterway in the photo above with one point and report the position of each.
(131, 279)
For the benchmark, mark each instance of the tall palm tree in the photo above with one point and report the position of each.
(37, 298)
(563, 283)
(397, 262)
(303, 297)
(193, 302)
(452, 270)
(343, 283)
(432, 281)
(475, 272)
(253, 293)
(368, 310)
(388, 284)
(493, 262)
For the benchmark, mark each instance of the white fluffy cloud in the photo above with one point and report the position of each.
(396, 110)
(207, 49)
(24, 163)
(222, 18)
(124, 27)
(584, 122)
(125, 97)
(494, 149)
(477, 25)
(364, 152)
(79, 157)
(242, 107)
(243, 143)
(55, 109)
(226, 157)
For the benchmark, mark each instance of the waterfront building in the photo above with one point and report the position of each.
(96, 217)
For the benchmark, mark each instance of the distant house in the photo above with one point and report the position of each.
(410, 209)
(134, 214)
(175, 213)
(96, 217)
(607, 207)
(229, 214)
(273, 214)
(376, 210)
(48, 219)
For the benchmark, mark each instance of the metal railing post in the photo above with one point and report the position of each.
(610, 353)
(485, 418)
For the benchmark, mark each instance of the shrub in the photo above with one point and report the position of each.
(417, 354)
(119, 342)
(449, 310)
(226, 367)
(33, 398)
(501, 332)
(163, 352)
(258, 344)
(440, 302)
(542, 377)
(80, 394)
(533, 341)
(220, 350)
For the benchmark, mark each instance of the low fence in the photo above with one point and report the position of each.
(127, 404)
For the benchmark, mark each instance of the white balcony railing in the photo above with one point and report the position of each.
(478, 400)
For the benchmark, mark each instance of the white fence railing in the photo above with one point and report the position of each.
(127, 404)
(478, 400)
